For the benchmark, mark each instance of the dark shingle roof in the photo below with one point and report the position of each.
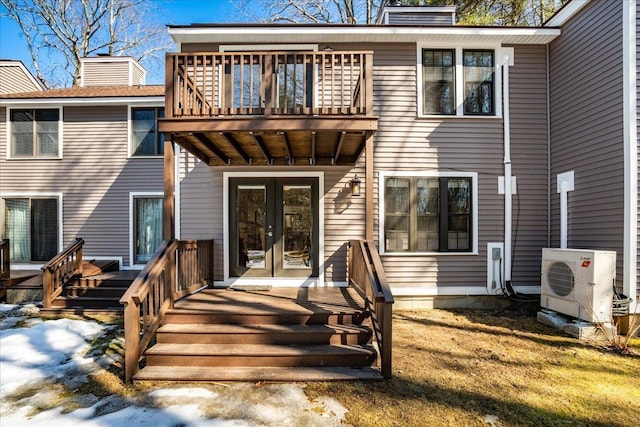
(91, 92)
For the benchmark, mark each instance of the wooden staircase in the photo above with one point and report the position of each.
(95, 291)
(285, 334)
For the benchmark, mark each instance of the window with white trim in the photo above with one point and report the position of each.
(428, 213)
(147, 227)
(145, 138)
(470, 91)
(31, 225)
(35, 132)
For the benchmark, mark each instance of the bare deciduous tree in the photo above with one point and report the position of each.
(477, 12)
(80, 28)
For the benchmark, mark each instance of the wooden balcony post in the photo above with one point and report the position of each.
(368, 77)
(168, 219)
(169, 77)
(368, 191)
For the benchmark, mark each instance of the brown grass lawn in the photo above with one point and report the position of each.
(500, 368)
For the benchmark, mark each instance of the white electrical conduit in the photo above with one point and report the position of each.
(508, 201)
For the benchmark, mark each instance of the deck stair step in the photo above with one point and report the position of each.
(177, 333)
(260, 355)
(271, 335)
(94, 266)
(268, 373)
(99, 302)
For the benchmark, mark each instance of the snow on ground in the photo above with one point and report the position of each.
(41, 361)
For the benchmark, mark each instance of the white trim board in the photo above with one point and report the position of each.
(630, 119)
(299, 174)
(566, 13)
(149, 101)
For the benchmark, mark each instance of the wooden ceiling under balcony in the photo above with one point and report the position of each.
(290, 141)
(328, 124)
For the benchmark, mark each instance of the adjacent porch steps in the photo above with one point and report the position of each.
(96, 292)
(280, 335)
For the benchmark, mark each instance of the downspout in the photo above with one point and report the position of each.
(508, 198)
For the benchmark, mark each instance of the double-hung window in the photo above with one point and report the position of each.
(428, 213)
(31, 225)
(458, 82)
(35, 132)
(145, 138)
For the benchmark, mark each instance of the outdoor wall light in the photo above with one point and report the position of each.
(355, 186)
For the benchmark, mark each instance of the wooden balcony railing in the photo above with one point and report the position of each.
(268, 83)
(367, 275)
(177, 269)
(5, 265)
(63, 268)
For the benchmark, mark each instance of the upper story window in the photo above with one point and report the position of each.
(458, 82)
(35, 132)
(425, 213)
(146, 140)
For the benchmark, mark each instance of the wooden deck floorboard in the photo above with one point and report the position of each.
(282, 300)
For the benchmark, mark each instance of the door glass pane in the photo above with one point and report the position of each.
(396, 204)
(44, 229)
(148, 227)
(459, 207)
(17, 228)
(251, 216)
(427, 209)
(297, 226)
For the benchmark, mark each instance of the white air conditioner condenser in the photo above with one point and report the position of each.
(578, 283)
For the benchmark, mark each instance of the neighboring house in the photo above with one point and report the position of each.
(14, 77)
(83, 162)
(273, 124)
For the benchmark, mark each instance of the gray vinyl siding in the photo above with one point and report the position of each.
(587, 128)
(13, 80)
(106, 73)
(418, 18)
(137, 75)
(201, 211)
(529, 159)
(94, 176)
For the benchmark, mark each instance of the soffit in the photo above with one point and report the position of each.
(362, 34)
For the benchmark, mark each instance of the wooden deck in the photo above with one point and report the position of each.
(281, 334)
(304, 301)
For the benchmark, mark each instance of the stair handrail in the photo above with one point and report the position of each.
(155, 290)
(146, 300)
(60, 270)
(5, 264)
(367, 275)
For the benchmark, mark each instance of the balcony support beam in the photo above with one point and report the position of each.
(236, 146)
(265, 151)
(168, 203)
(202, 138)
(368, 188)
(336, 155)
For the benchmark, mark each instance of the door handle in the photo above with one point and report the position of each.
(269, 233)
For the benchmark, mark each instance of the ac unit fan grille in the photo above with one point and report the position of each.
(560, 279)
